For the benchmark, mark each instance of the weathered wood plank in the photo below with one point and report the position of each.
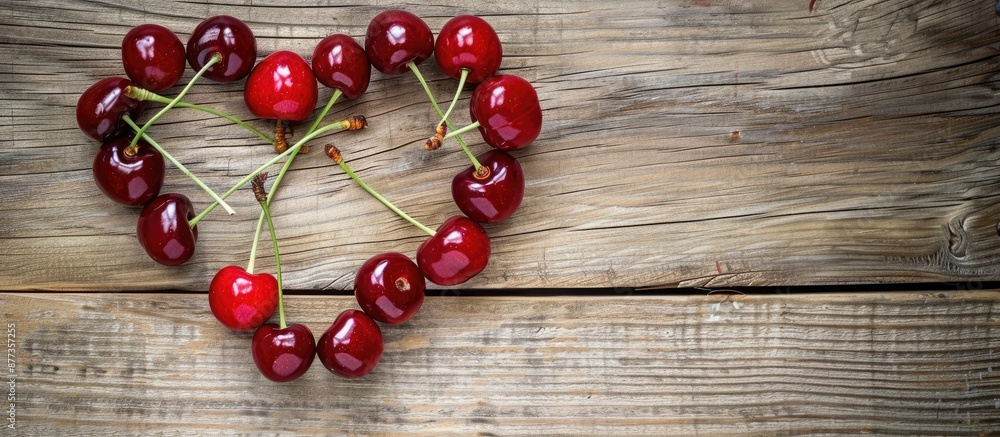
(692, 143)
(903, 364)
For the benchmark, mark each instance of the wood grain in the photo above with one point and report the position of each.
(891, 364)
(688, 143)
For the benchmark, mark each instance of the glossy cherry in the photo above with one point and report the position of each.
(352, 346)
(163, 229)
(468, 42)
(128, 179)
(281, 87)
(229, 37)
(100, 109)
(240, 300)
(458, 251)
(396, 38)
(283, 354)
(339, 62)
(390, 288)
(492, 194)
(507, 110)
(153, 57)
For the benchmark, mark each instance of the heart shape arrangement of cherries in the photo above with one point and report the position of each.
(130, 165)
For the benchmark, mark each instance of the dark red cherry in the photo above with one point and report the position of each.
(458, 251)
(163, 229)
(153, 57)
(468, 41)
(128, 179)
(101, 107)
(229, 37)
(390, 288)
(281, 87)
(507, 110)
(283, 354)
(492, 194)
(339, 62)
(240, 300)
(352, 346)
(396, 38)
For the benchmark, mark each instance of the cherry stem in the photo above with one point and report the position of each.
(212, 61)
(277, 262)
(458, 92)
(281, 175)
(149, 96)
(423, 83)
(462, 130)
(181, 167)
(334, 154)
(341, 125)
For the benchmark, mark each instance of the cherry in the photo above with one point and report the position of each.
(507, 111)
(396, 38)
(339, 62)
(240, 300)
(283, 354)
(390, 288)
(352, 346)
(492, 193)
(153, 57)
(163, 229)
(100, 109)
(229, 37)
(130, 179)
(468, 42)
(458, 251)
(282, 87)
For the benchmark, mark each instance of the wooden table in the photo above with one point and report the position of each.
(740, 217)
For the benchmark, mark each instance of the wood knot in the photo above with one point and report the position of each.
(958, 237)
(734, 137)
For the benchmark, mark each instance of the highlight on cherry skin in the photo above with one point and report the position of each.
(240, 300)
(396, 38)
(390, 288)
(228, 36)
(129, 179)
(282, 87)
(468, 42)
(100, 109)
(507, 110)
(339, 62)
(163, 229)
(153, 57)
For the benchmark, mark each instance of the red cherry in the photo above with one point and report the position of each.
(339, 62)
(240, 300)
(458, 251)
(468, 41)
(101, 107)
(282, 87)
(153, 57)
(163, 229)
(396, 38)
(493, 196)
(283, 354)
(129, 179)
(507, 110)
(352, 346)
(390, 288)
(229, 37)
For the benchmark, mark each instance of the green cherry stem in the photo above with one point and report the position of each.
(458, 92)
(462, 130)
(284, 169)
(212, 61)
(351, 123)
(259, 193)
(427, 90)
(181, 167)
(144, 95)
(334, 154)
